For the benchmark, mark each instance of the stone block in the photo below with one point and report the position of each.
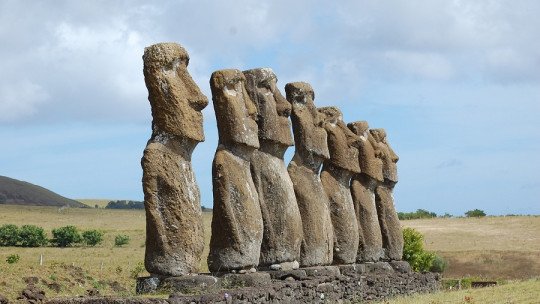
(401, 266)
(378, 267)
(235, 280)
(322, 271)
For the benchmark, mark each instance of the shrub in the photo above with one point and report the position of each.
(125, 205)
(413, 251)
(13, 258)
(92, 237)
(32, 236)
(9, 235)
(66, 236)
(418, 214)
(121, 240)
(439, 264)
(475, 213)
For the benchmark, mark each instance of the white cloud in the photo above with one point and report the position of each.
(20, 100)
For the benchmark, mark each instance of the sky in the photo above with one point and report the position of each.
(456, 85)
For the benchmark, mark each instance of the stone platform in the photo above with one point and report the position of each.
(328, 284)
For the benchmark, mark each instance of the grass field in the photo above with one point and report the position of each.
(493, 247)
(526, 292)
(101, 203)
(490, 247)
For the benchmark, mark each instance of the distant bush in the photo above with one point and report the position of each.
(13, 258)
(9, 235)
(125, 205)
(92, 237)
(475, 213)
(447, 215)
(439, 264)
(32, 236)
(66, 236)
(414, 253)
(418, 214)
(121, 240)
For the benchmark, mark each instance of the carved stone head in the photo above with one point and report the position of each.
(309, 134)
(342, 142)
(367, 150)
(175, 99)
(236, 113)
(273, 108)
(388, 156)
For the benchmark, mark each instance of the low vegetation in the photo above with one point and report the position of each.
(489, 247)
(475, 213)
(418, 214)
(34, 236)
(525, 292)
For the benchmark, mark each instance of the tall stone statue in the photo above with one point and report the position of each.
(311, 151)
(282, 234)
(237, 226)
(370, 248)
(336, 177)
(174, 229)
(388, 219)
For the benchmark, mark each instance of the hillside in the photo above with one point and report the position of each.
(16, 192)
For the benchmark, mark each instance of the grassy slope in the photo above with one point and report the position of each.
(101, 203)
(104, 265)
(16, 192)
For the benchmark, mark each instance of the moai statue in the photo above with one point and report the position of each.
(370, 247)
(388, 218)
(237, 226)
(311, 151)
(174, 228)
(282, 234)
(336, 177)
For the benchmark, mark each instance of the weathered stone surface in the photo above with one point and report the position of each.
(336, 177)
(368, 150)
(388, 219)
(370, 247)
(359, 287)
(311, 151)
(322, 271)
(297, 274)
(282, 234)
(352, 269)
(174, 230)
(237, 225)
(235, 280)
(32, 294)
(388, 157)
(188, 284)
(401, 266)
(378, 267)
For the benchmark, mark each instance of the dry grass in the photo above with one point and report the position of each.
(101, 203)
(78, 269)
(490, 247)
(527, 292)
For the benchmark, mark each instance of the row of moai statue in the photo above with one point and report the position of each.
(265, 215)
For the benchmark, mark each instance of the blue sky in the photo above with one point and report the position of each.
(456, 84)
